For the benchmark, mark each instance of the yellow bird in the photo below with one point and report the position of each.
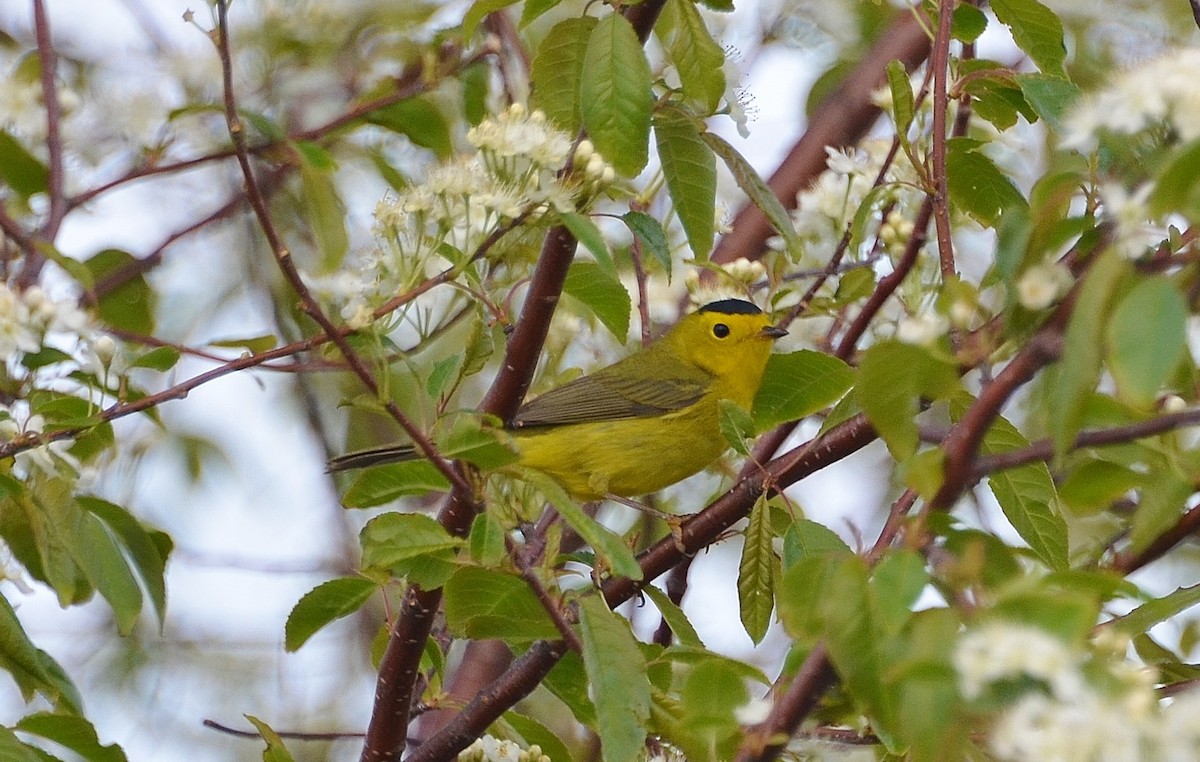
(644, 422)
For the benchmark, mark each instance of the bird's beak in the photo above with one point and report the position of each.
(772, 332)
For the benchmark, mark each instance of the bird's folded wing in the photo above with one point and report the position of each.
(605, 398)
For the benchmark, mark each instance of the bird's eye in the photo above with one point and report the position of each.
(720, 330)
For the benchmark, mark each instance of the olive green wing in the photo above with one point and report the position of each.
(605, 397)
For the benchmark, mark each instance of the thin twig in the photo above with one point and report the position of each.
(293, 735)
(940, 64)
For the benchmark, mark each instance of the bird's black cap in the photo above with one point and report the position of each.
(731, 307)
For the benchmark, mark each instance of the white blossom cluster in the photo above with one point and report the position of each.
(31, 321)
(733, 280)
(441, 222)
(1163, 92)
(491, 749)
(1072, 705)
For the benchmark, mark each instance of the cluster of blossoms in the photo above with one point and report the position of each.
(491, 749)
(32, 322)
(517, 169)
(735, 279)
(1071, 704)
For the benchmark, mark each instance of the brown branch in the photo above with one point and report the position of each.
(940, 64)
(552, 607)
(842, 119)
(767, 739)
(1188, 524)
(289, 734)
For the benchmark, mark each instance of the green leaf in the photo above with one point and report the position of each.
(73, 267)
(903, 107)
(468, 439)
(275, 751)
(147, 549)
(253, 344)
(615, 94)
(71, 732)
(1049, 96)
(607, 545)
(976, 185)
(898, 580)
(586, 232)
(892, 379)
(1147, 336)
(474, 79)
(532, 11)
(376, 486)
(685, 633)
(1026, 494)
(601, 292)
(1036, 30)
(698, 58)
(160, 359)
(798, 384)
(650, 232)
(968, 23)
(32, 668)
(419, 120)
(21, 170)
(478, 10)
(1175, 189)
(12, 750)
(558, 68)
(1150, 613)
(808, 539)
(129, 306)
(486, 539)
(1162, 500)
(711, 694)
(481, 603)
(1068, 616)
(324, 603)
(323, 209)
(752, 184)
(1094, 484)
(690, 168)
(736, 426)
(1079, 368)
(756, 573)
(393, 540)
(100, 558)
(616, 672)
(534, 732)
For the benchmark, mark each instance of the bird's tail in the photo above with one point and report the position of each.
(375, 456)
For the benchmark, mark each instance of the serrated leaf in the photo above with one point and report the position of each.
(1150, 613)
(376, 486)
(698, 58)
(601, 292)
(690, 167)
(586, 232)
(21, 170)
(968, 23)
(615, 94)
(1094, 484)
(903, 106)
(1162, 500)
(896, 583)
(736, 426)
(129, 306)
(557, 70)
(1026, 494)
(1079, 368)
(72, 732)
(1036, 30)
(419, 120)
(752, 184)
(808, 539)
(100, 558)
(756, 574)
(976, 185)
(392, 540)
(798, 384)
(1049, 96)
(680, 625)
(607, 545)
(616, 672)
(480, 603)
(468, 439)
(275, 751)
(1147, 337)
(708, 702)
(650, 232)
(32, 668)
(892, 379)
(161, 359)
(12, 750)
(486, 539)
(323, 604)
(147, 549)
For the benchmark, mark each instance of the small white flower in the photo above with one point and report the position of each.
(923, 329)
(753, 712)
(1041, 285)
